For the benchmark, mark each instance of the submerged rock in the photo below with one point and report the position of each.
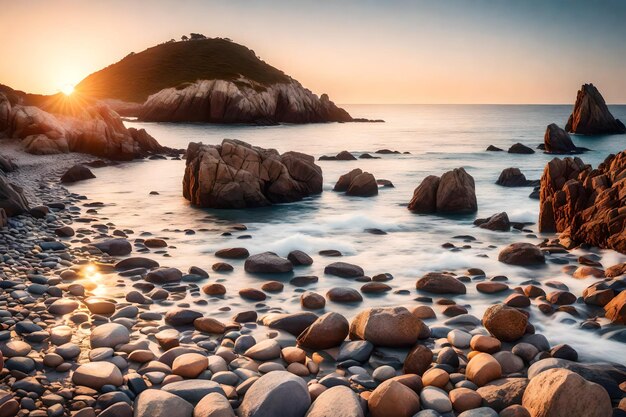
(238, 175)
(499, 221)
(439, 283)
(523, 254)
(591, 116)
(267, 263)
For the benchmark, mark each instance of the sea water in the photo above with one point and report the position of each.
(437, 138)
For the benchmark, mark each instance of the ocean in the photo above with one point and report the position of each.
(438, 138)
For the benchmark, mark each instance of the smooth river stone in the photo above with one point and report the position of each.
(97, 374)
(109, 335)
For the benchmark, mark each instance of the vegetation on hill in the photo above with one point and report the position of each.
(171, 64)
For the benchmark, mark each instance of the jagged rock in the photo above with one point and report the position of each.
(513, 177)
(5, 113)
(499, 221)
(616, 309)
(240, 101)
(584, 204)
(145, 141)
(12, 198)
(238, 175)
(4, 220)
(557, 140)
(77, 173)
(94, 129)
(591, 116)
(454, 192)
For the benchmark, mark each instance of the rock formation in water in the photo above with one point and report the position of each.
(357, 183)
(453, 193)
(243, 101)
(585, 205)
(207, 80)
(62, 125)
(558, 141)
(513, 177)
(236, 174)
(591, 116)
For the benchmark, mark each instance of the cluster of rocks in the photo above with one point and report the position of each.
(240, 101)
(453, 193)
(357, 183)
(91, 128)
(348, 156)
(66, 351)
(236, 174)
(585, 205)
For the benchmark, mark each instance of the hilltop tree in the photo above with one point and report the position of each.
(184, 38)
(197, 36)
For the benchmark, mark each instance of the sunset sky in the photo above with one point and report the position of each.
(392, 51)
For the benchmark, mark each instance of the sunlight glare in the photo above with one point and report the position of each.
(67, 89)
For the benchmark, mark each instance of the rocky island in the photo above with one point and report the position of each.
(206, 80)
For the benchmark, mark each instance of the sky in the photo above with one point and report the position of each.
(386, 51)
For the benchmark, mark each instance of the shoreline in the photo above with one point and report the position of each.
(253, 347)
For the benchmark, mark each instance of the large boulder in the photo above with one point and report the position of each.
(77, 173)
(392, 398)
(513, 177)
(506, 323)
(615, 310)
(503, 393)
(585, 205)
(557, 140)
(328, 331)
(523, 254)
(12, 198)
(453, 193)
(338, 401)
(425, 195)
(159, 403)
(440, 283)
(236, 174)
(213, 405)
(277, 393)
(387, 326)
(591, 116)
(363, 185)
(343, 183)
(563, 393)
(97, 374)
(267, 263)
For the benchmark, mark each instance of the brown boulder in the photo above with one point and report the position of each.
(387, 326)
(563, 393)
(505, 323)
(482, 369)
(12, 198)
(346, 179)
(522, 254)
(557, 140)
(363, 185)
(418, 360)
(236, 174)
(503, 393)
(615, 310)
(425, 196)
(391, 398)
(591, 116)
(327, 331)
(439, 283)
(77, 173)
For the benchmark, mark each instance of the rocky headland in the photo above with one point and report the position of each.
(207, 80)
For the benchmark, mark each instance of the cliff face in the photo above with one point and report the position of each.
(586, 205)
(591, 116)
(241, 101)
(209, 80)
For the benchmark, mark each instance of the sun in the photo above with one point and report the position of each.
(67, 89)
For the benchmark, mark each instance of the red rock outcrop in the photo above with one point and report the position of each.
(591, 116)
(585, 205)
(453, 193)
(236, 174)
